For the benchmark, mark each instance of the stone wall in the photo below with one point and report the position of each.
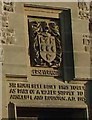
(23, 88)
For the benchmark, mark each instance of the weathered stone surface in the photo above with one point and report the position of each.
(34, 70)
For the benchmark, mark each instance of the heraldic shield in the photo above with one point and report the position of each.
(47, 47)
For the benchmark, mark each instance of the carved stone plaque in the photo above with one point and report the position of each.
(45, 44)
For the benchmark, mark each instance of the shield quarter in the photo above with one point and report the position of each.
(47, 47)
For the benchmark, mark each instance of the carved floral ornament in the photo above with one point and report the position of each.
(7, 34)
(83, 10)
(8, 6)
(46, 44)
(87, 42)
(5, 19)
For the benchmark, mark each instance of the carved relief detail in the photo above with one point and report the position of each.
(8, 36)
(83, 10)
(7, 33)
(90, 25)
(1, 48)
(87, 42)
(8, 6)
(1, 54)
(90, 20)
(5, 22)
(46, 50)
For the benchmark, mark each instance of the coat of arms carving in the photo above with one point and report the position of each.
(45, 44)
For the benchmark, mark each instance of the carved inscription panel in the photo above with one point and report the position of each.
(47, 94)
